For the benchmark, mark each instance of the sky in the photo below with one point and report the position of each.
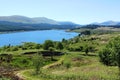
(78, 11)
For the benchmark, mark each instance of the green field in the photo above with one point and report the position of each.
(81, 68)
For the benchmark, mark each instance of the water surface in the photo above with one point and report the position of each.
(35, 36)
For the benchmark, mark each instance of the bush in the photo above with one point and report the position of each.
(111, 54)
(30, 45)
(88, 48)
(59, 45)
(38, 62)
(107, 57)
(47, 44)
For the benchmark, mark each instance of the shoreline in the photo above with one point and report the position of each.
(7, 32)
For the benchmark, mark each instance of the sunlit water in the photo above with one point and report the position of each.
(35, 36)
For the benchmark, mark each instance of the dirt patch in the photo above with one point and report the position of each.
(9, 73)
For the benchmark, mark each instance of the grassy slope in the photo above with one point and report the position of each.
(83, 68)
(19, 52)
(99, 30)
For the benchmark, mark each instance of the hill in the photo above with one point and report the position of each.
(107, 23)
(23, 19)
(36, 20)
(17, 23)
(12, 26)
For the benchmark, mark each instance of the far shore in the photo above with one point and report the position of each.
(6, 32)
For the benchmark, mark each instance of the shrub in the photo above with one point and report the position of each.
(111, 54)
(38, 62)
(59, 45)
(47, 44)
(88, 48)
(107, 57)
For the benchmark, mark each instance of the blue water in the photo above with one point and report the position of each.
(35, 36)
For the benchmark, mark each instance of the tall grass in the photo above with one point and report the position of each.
(90, 69)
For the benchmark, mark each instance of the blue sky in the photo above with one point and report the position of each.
(78, 11)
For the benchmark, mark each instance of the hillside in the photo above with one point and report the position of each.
(73, 64)
(27, 20)
(107, 23)
(34, 20)
(11, 26)
(18, 23)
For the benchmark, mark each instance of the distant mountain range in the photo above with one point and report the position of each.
(107, 23)
(16, 22)
(36, 20)
(44, 20)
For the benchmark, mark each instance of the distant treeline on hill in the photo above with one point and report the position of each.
(97, 26)
(12, 26)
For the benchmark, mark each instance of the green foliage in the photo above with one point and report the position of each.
(21, 62)
(59, 46)
(14, 48)
(88, 48)
(38, 62)
(115, 44)
(83, 46)
(67, 64)
(64, 40)
(86, 32)
(30, 45)
(111, 54)
(24, 46)
(51, 49)
(47, 44)
(76, 47)
(107, 56)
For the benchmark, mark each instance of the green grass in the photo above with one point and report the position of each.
(19, 52)
(99, 30)
(89, 69)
